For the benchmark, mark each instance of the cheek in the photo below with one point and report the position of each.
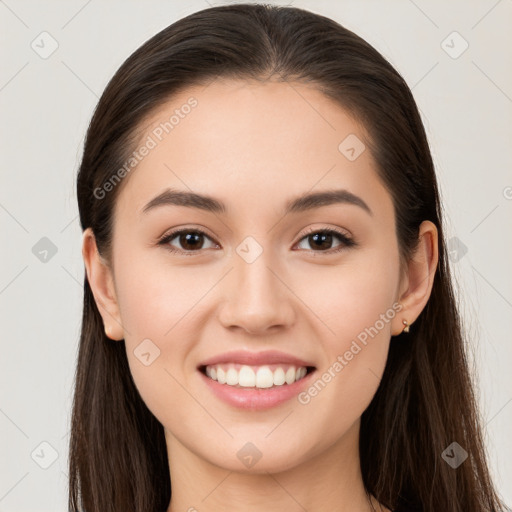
(155, 299)
(157, 306)
(350, 298)
(356, 306)
(158, 310)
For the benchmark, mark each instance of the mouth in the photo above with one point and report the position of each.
(257, 377)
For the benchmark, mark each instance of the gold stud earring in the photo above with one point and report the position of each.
(406, 328)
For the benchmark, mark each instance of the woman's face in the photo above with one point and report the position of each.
(264, 280)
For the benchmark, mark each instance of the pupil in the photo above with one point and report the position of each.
(189, 239)
(323, 236)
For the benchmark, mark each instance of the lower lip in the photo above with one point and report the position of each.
(256, 399)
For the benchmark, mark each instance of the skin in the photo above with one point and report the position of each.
(255, 146)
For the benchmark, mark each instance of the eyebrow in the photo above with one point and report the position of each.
(302, 203)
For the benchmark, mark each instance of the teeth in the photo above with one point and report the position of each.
(279, 377)
(259, 377)
(264, 377)
(232, 377)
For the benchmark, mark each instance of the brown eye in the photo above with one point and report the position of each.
(322, 240)
(188, 240)
(191, 241)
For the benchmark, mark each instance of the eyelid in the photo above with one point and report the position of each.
(192, 228)
(316, 229)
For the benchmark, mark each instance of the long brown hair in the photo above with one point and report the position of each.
(425, 401)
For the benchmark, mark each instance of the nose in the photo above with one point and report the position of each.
(257, 298)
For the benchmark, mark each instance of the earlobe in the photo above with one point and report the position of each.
(419, 279)
(100, 278)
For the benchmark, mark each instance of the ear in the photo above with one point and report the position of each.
(101, 281)
(417, 282)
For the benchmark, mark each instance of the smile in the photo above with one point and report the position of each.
(262, 377)
(256, 387)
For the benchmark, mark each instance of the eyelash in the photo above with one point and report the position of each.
(347, 242)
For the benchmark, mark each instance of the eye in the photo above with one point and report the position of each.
(191, 240)
(324, 238)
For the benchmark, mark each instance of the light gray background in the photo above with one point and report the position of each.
(45, 107)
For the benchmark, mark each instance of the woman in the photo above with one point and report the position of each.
(269, 321)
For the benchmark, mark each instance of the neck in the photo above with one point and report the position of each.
(325, 482)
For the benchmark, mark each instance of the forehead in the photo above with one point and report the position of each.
(250, 144)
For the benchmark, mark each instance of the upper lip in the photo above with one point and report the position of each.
(255, 358)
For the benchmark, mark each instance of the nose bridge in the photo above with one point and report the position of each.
(257, 298)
